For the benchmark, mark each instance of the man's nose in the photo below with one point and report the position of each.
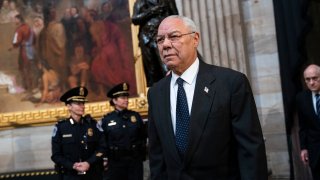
(167, 42)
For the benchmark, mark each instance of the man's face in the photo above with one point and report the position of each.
(76, 108)
(121, 102)
(177, 44)
(312, 78)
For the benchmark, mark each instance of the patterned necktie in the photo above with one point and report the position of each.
(318, 104)
(182, 119)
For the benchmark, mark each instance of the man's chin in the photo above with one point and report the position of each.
(170, 66)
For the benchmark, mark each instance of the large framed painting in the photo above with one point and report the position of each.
(50, 46)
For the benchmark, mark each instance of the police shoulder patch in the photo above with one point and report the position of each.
(54, 132)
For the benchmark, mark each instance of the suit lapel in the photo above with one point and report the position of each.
(164, 98)
(202, 102)
(309, 100)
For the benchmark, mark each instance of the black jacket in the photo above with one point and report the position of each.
(125, 133)
(74, 142)
(309, 124)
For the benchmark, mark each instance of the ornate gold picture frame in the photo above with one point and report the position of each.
(48, 116)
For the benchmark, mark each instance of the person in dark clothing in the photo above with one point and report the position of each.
(203, 121)
(78, 144)
(125, 133)
(308, 108)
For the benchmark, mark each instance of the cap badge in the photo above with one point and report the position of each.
(125, 86)
(81, 91)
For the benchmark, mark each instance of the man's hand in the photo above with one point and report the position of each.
(304, 156)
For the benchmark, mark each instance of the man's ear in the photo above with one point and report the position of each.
(196, 39)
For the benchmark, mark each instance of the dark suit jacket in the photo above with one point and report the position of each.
(309, 126)
(225, 137)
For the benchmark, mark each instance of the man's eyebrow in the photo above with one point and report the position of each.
(169, 33)
(174, 32)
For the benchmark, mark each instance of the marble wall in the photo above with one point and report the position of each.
(265, 80)
(25, 149)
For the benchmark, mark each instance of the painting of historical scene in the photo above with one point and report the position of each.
(49, 46)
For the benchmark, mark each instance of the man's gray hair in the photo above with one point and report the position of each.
(187, 21)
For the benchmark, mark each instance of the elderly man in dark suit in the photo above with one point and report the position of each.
(308, 106)
(203, 122)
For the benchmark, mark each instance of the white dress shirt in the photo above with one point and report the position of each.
(189, 77)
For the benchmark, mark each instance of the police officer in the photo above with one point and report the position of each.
(77, 143)
(125, 134)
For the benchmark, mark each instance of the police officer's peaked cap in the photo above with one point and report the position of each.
(119, 90)
(77, 94)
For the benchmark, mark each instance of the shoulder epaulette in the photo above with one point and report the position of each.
(62, 120)
(109, 113)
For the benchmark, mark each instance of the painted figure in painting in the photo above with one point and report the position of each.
(65, 44)
(5, 9)
(79, 67)
(49, 86)
(24, 41)
(109, 52)
(13, 11)
(52, 39)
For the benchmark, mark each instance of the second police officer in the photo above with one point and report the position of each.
(125, 134)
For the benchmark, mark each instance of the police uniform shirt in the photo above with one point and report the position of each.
(124, 129)
(74, 142)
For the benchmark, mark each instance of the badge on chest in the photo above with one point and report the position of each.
(90, 132)
(66, 135)
(133, 119)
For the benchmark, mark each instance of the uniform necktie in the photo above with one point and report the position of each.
(318, 104)
(182, 119)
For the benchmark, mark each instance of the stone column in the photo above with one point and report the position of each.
(220, 23)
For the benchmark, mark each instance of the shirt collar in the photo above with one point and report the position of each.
(315, 93)
(189, 75)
